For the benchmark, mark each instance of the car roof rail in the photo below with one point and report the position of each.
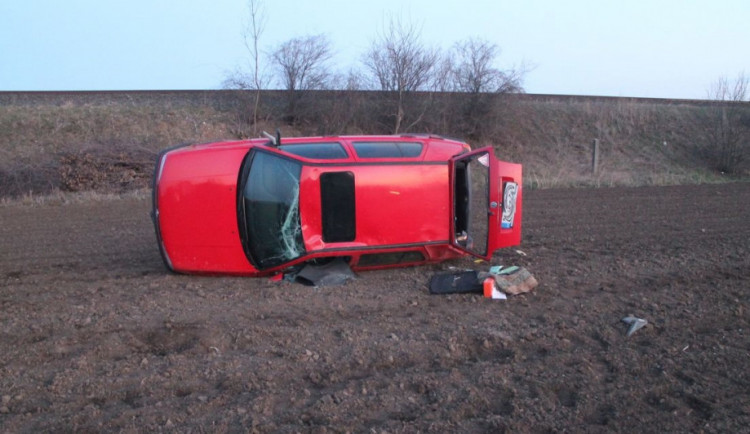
(425, 135)
(432, 136)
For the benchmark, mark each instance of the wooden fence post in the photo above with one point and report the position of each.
(595, 156)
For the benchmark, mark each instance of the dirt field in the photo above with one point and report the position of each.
(97, 336)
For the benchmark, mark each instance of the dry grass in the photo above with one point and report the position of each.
(43, 148)
(639, 143)
(61, 198)
(27, 131)
(110, 146)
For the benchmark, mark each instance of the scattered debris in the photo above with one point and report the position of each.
(333, 273)
(277, 277)
(496, 284)
(491, 291)
(507, 270)
(515, 280)
(635, 324)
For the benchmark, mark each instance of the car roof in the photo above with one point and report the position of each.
(434, 148)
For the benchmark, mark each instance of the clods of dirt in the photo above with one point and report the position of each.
(96, 336)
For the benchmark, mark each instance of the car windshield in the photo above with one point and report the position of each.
(273, 234)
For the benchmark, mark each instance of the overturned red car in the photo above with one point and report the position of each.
(258, 207)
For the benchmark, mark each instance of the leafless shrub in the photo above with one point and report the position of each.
(727, 142)
(101, 171)
(18, 178)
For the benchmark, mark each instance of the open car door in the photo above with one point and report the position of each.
(486, 203)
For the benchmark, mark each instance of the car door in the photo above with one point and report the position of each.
(486, 203)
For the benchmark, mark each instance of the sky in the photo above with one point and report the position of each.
(630, 48)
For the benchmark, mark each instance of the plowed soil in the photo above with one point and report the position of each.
(97, 336)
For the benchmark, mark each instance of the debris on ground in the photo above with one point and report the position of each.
(515, 280)
(491, 291)
(456, 282)
(496, 284)
(334, 273)
(635, 324)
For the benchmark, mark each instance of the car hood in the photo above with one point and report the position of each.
(195, 210)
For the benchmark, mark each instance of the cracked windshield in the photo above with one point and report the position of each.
(272, 210)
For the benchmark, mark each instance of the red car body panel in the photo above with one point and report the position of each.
(505, 173)
(412, 210)
(402, 204)
(197, 199)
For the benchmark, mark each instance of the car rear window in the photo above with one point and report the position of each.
(317, 151)
(388, 149)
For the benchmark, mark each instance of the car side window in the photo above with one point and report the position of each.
(317, 151)
(338, 207)
(388, 149)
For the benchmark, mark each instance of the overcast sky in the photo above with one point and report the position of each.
(641, 48)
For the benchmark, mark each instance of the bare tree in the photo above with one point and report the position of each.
(302, 64)
(474, 70)
(443, 74)
(729, 135)
(400, 63)
(251, 37)
(477, 79)
(255, 79)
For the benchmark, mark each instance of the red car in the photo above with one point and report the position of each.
(255, 207)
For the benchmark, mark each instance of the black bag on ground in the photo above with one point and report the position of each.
(455, 282)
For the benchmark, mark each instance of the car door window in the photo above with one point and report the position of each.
(387, 149)
(317, 151)
(338, 207)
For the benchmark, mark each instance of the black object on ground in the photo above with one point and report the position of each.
(455, 282)
(334, 273)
